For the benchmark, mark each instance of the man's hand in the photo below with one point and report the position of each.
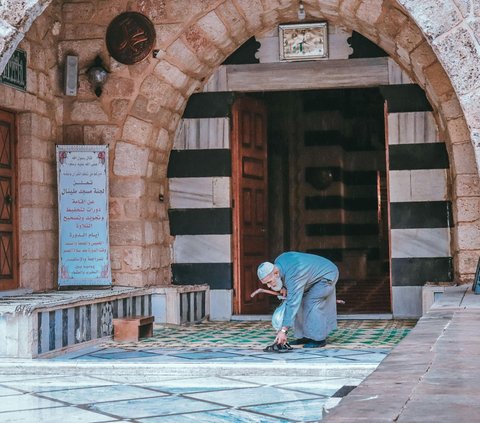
(281, 338)
(283, 292)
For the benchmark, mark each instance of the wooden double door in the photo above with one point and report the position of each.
(8, 228)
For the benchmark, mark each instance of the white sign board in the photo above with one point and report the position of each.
(84, 251)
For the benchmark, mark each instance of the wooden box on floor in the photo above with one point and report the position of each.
(132, 328)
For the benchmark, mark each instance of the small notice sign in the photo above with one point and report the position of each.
(15, 73)
(84, 251)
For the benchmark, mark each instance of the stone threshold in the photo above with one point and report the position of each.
(194, 368)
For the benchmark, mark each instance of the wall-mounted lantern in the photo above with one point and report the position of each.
(97, 75)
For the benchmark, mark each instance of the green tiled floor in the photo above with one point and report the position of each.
(256, 335)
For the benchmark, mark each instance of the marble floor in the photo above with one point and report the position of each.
(258, 396)
(89, 399)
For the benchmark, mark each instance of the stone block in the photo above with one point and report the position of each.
(73, 134)
(460, 46)
(467, 209)
(101, 134)
(126, 233)
(407, 301)
(251, 10)
(133, 258)
(171, 297)
(30, 274)
(171, 74)
(234, 21)
(116, 255)
(127, 187)
(88, 112)
(213, 27)
(37, 171)
(130, 160)
(348, 8)
(458, 130)
(466, 262)
(149, 109)
(33, 243)
(31, 219)
(433, 17)
(82, 31)
(155, 257)
(136, 279)
(187, 61)
(78, 11)
(369, 11)
(409, 37)
(468, 236)
(163, 140)
(221, 304)
(328, 7)
(464, 158)
(466, 186)
(137, 131)
(119, 109)
(119, 87)
(471, 105)
(391, 21)
(438, 79)
(133, 209)
(465, 6)
(151, 229)
(451, 109)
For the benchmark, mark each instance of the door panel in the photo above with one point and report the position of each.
(250, 237)
(8, 259)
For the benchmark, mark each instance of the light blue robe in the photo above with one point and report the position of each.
(311, 306)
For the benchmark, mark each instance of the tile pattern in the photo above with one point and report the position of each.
(60, 398)
(257, 334)
(255, 397)
(76, 324)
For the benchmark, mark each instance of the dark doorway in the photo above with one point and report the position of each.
(327, 187)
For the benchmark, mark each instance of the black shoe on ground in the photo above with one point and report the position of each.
(301, 341)
(315, 344)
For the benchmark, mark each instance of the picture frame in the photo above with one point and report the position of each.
(307, 41)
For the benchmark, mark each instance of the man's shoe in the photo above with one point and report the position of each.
(315, 344)
(301, 341)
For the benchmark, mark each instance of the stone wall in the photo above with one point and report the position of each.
(141, 106)
(39, 122)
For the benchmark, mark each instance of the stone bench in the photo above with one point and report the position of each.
(132, 328)
(45, 324)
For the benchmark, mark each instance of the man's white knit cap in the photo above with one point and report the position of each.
(264, 269)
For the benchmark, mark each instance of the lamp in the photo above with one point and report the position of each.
(97, 76)
(301, 11)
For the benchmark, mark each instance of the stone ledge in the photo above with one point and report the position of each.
(28, 303)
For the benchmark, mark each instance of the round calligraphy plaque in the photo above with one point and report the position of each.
(130, 37)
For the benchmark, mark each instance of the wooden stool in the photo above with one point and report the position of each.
(132, 328)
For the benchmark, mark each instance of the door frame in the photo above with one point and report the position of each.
(15, 283)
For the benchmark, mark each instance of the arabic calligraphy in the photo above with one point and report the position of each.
(83, 218)
(130, 37)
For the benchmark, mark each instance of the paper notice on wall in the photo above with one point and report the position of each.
(84, 252)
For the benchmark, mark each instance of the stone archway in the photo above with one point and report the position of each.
(143, 104)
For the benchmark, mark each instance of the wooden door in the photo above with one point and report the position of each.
(8, 259)
(250, 208)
